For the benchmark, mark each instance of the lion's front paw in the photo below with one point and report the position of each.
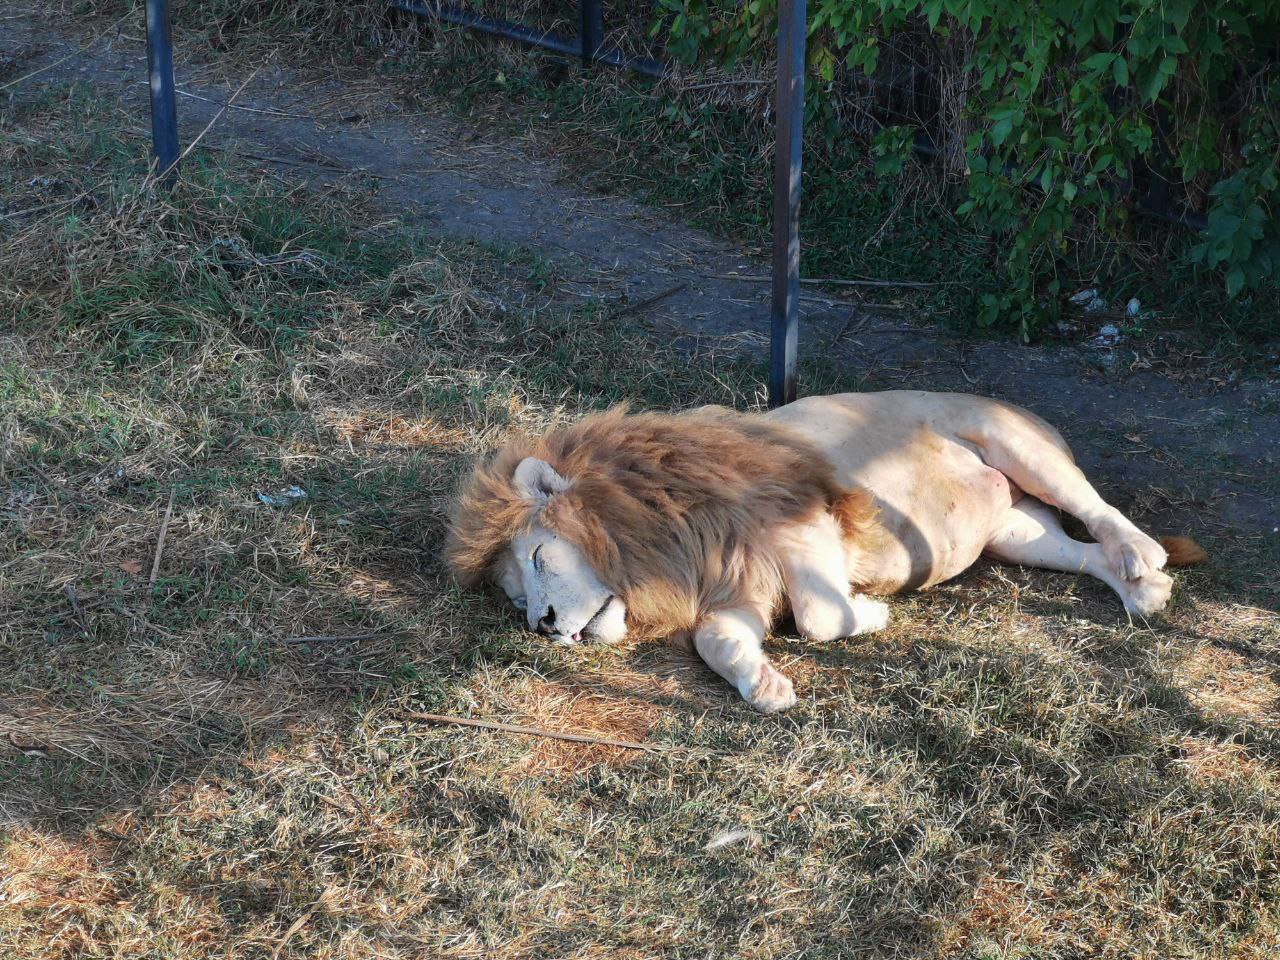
(772, 692)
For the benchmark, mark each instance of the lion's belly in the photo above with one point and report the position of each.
(940, 513)
(939, 502)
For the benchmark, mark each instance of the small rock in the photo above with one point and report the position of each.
(1108, 336)
(1133, 307)
(1082, 297)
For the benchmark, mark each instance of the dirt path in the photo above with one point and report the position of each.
(1207, 454)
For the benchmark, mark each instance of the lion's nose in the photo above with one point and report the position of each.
(547, 622)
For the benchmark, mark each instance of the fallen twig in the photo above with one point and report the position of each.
(53, 205)
(326, 164)
(743, 82)
(164, 531)
(540, 732)
(294, 928)
(341, 637)
(845, 329)
(646, 302)
(268, 112)
(89, 497)
(828, 281)
(229, 148)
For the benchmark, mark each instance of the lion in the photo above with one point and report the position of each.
(708, 526)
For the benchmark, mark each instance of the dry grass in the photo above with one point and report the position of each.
(1011, 770)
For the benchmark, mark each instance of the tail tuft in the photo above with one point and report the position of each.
(1183, 551)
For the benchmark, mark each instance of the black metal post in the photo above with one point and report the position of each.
(591, 29)
(164, 108)
(789, 136)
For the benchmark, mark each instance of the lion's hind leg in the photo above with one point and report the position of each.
(1031, 535)
(816, 575)
(1036, 459)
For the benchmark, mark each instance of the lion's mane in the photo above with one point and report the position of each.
(676, 512)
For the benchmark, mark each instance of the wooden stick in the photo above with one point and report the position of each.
(329, 164)
(46, 206)
(744, 82)
(236, 106)
(338, 637)
(164, 531)
(88, 497)
(538, 732)
(831, 281)
(647, 301)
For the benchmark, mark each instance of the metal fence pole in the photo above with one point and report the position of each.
(789, 136)
(591, 29)
(164, 109)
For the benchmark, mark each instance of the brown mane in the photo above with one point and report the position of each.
(676, 512)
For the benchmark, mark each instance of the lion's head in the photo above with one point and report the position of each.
(548, 577)
(638, 522)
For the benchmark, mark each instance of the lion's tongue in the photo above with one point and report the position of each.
(577, 637)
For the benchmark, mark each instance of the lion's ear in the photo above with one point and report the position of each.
(537, 480)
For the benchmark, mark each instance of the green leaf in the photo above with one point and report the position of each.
(1001, 129)
(1120, 71)
(1151, 85)
(1235, 281)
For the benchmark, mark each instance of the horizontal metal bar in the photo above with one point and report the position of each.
(535, 38)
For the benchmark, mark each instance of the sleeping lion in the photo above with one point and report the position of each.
(707, 526)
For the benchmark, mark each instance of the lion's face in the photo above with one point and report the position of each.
(552, 581)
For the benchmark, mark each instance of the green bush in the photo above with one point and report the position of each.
(1046, 111)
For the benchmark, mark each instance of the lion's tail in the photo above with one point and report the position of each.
(1183, 551)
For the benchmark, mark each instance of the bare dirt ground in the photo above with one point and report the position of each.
(1154, 417)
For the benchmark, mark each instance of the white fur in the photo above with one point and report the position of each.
(551, 580)
(947, 472)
